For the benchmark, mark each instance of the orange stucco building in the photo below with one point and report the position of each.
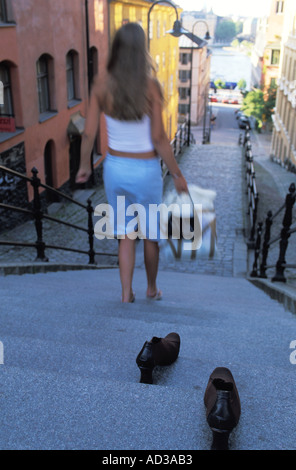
(49, 52)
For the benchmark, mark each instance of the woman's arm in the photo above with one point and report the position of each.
(161, 141)
(89, 134)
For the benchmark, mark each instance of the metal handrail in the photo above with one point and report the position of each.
(39, 215)
(252, 193)
(283, 239)
(43, 185)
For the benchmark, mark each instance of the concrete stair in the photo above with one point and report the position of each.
(70, 381)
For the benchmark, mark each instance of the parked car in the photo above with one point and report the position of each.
(243, 122)
(225, 100)
(213, 99)
(233, 101)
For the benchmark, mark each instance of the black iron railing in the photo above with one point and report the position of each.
(260, 265)
(38, 215)
(252, 193)
(178, 143)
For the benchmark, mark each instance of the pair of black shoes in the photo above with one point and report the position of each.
(221, 397)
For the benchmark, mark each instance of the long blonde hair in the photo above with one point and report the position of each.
(129, 67)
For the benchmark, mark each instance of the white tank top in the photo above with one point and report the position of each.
(129, 136)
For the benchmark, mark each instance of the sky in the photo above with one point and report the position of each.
(255, 8)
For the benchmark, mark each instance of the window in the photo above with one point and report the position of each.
(151, 29)
(275, 57)
(44, 69)
(183, 93)
(183, 108)
(184, 75)
(43, 85)
(279, 8)
(3, 11)
(70, 76)
(157, 61)
(7, 108)
(273, 82)
(185, 58)
(171, 86)
(72, 73)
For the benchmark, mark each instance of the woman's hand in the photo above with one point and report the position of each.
(83, 175)
(180, 184)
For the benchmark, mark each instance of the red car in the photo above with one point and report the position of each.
(213, 99)
(225, 100)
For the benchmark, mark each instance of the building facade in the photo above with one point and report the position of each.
(194, 78)
(266, 56)
(48, 56)
(284, 119)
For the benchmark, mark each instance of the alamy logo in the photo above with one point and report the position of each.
(163, 221)
(1, 353)
(1, 94)
(293, 353)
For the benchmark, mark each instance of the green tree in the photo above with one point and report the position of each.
(219, 83)
(225, 31)
(242, 84)
(254, 105)
(270, 100)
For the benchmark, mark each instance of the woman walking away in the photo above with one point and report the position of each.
(131, 100)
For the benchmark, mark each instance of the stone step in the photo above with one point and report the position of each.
(70, 380)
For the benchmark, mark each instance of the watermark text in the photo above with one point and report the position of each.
(1, 353)
(293, 353)
(161, 221)
(1, 94)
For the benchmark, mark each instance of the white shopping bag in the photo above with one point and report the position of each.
(189, 232)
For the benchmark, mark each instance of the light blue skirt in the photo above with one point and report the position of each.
(134, 188)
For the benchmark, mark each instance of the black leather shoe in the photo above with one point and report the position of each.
(223, 407)
(157, 352)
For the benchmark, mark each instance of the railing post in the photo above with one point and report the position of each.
(175, 145)
(40, 245)
(252, 233)
(90, 233)
(254, 273)
(188, 132)
(268, 224)
(285, 235)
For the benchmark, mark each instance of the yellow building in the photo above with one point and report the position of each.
(284, 119)
(163, 47)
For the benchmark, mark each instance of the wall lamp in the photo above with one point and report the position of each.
(177, 30)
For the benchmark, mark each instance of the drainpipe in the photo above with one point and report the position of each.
(89, 79)
(87, 45)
